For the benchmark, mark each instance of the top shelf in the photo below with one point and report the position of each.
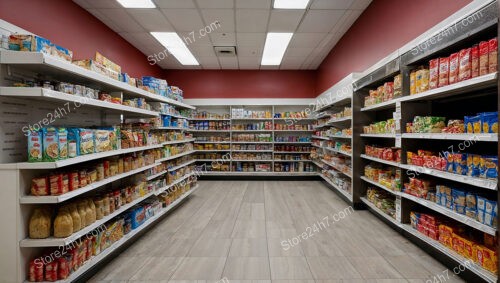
(49, 65)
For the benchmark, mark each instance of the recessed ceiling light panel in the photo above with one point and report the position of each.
(290, 4)
(176, 47)
(275, 47)
(137, 3)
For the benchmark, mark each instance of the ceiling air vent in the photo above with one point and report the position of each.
(225, 51)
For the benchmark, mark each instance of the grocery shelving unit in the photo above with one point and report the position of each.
(275, 135)
(332, 101)
(466, 98)
(25, 106)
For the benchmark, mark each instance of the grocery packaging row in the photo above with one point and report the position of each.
(482, 123)
(382, 200)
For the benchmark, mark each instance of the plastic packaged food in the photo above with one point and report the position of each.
(493, 55)
(102, 141)
(473, 164)
(413, 82)
(35, 146)
(489, 167)
(453, 68)
(444, 67)
(87, 144)
(40, 224)
(62, 135)
(56, 184)
(398, 85)
(489, 122)
(50, 144)
(39, 187)
(483, 58)
(474, 53)
(433, 73)
(465, 63)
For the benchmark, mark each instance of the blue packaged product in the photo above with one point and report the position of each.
(458, 197)
(50, 144)
(471, 200)
(40, 44)
(472, 213)
(438, 198)
(488, 167)
(488, 219)
(73, 142)
(481, 203)
(459, 209)
(489, 122)
(138, 216)
(490, 206)
(480, 216)
(61, 52)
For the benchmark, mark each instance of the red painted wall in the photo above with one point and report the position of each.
(384, 26)
(67, 24)
(244, 84)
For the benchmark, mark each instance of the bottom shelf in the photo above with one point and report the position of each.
(472, 266)
(343, 192)
(379, 211)
(220, 173)
(96, 259)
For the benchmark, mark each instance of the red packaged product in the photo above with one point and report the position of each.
(474, 54)
(56, 184)
(493, 55)
(65, 183)
(40, 187)
(433, 73)
(453, 69)
(73, 181)
(444, 64)
(51, 271)
(36, 270)
(483, 58)
(63, 268)
(464, 71)
(398, 155)
(88, 242)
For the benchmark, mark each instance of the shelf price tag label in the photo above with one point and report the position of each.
(396, 115)
(398, 141)
(398, 209)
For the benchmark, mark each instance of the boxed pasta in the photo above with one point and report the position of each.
(35, 146)
(61, 52)
(453, 69)
(444, 64)
(465, 64)
(86, 141)
(433, 73)
(493, 55)
(483, 58)
(398, 85)
(413, 82)
(50, 144)
(474, 54)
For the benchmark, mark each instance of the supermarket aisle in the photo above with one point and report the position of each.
(234, 230)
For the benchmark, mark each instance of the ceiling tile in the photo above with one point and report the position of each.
(299, 52)
(215, 4)
(184, 19)
(291, 63)
(249, 63)
(175, 4)
(249, 51)
(96, 13)
(83, 3)
(229, 62)
(122, 20)
(220, 20)
(269, 67)
(208, 61)
(332, 4)
(203, 51)
(99, 4)
(223, 39)
(320, 20)
(285, 20)
(195, 39)
(151, 19)
(250, 20)
(306, 39)
(253, 4)
(359, 4)
(347, 21)
(251, 39)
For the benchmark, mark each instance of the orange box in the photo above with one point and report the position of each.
(468, 251)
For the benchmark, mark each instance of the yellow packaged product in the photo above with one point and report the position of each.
(413, 82)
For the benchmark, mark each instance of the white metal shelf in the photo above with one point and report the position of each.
(452, 214)
(477, 83)
(293, 131)
(42, 94)
(246, 150)
(472, 266)
(379, 211)
(320, 165)
(478, 182)
(175, 156)
(178, 181)
(392, 163)
(294, 119)
(57, 242)
(281, 160)
(209, 131)
(448, 136)
(80, 191)
(320, 137)
(382, 105)
(49, 65)
(175, 116)
(251, 160)
(343, 192)
(337, 151)
(198, 119)
(339, 120)
(339, 137)
(209, 142)
(172, 128)
(380, 186)
(291, 152)
(212, 150)
(149, 178)
(250, 142)
(181, 165)
(385, 136)
(339, 101)
(179, 141)
(253, 173)
(251, 131)
(252, 119)
(98, 258)
(210, 160)
(348, 174)
(276, 142)
(82, 158)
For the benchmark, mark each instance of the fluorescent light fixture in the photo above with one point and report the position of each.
(176, 47)
(275, 47)
(290, 4)
(137, 3)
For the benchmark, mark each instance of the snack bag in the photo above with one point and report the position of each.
(413, 82)
(474, 53)
(489, 122)
(493, 55)
(465, 65)
(460, 163)
(488, 168)
(35, 146)
(476, 124)
(483, 58)
(473, 163)
(63, 143)
(444, 68)
(50, 144)
(398, 86)
(453, 72)
(102, 141)
(433, 73)
(73, 142)
(87, 141)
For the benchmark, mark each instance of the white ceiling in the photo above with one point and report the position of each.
(243, 23)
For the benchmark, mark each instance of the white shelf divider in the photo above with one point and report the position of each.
(392, 163)
(378, 185)
(175, 156)
(181, 165)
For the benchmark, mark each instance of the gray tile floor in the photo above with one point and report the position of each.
(235, 230)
